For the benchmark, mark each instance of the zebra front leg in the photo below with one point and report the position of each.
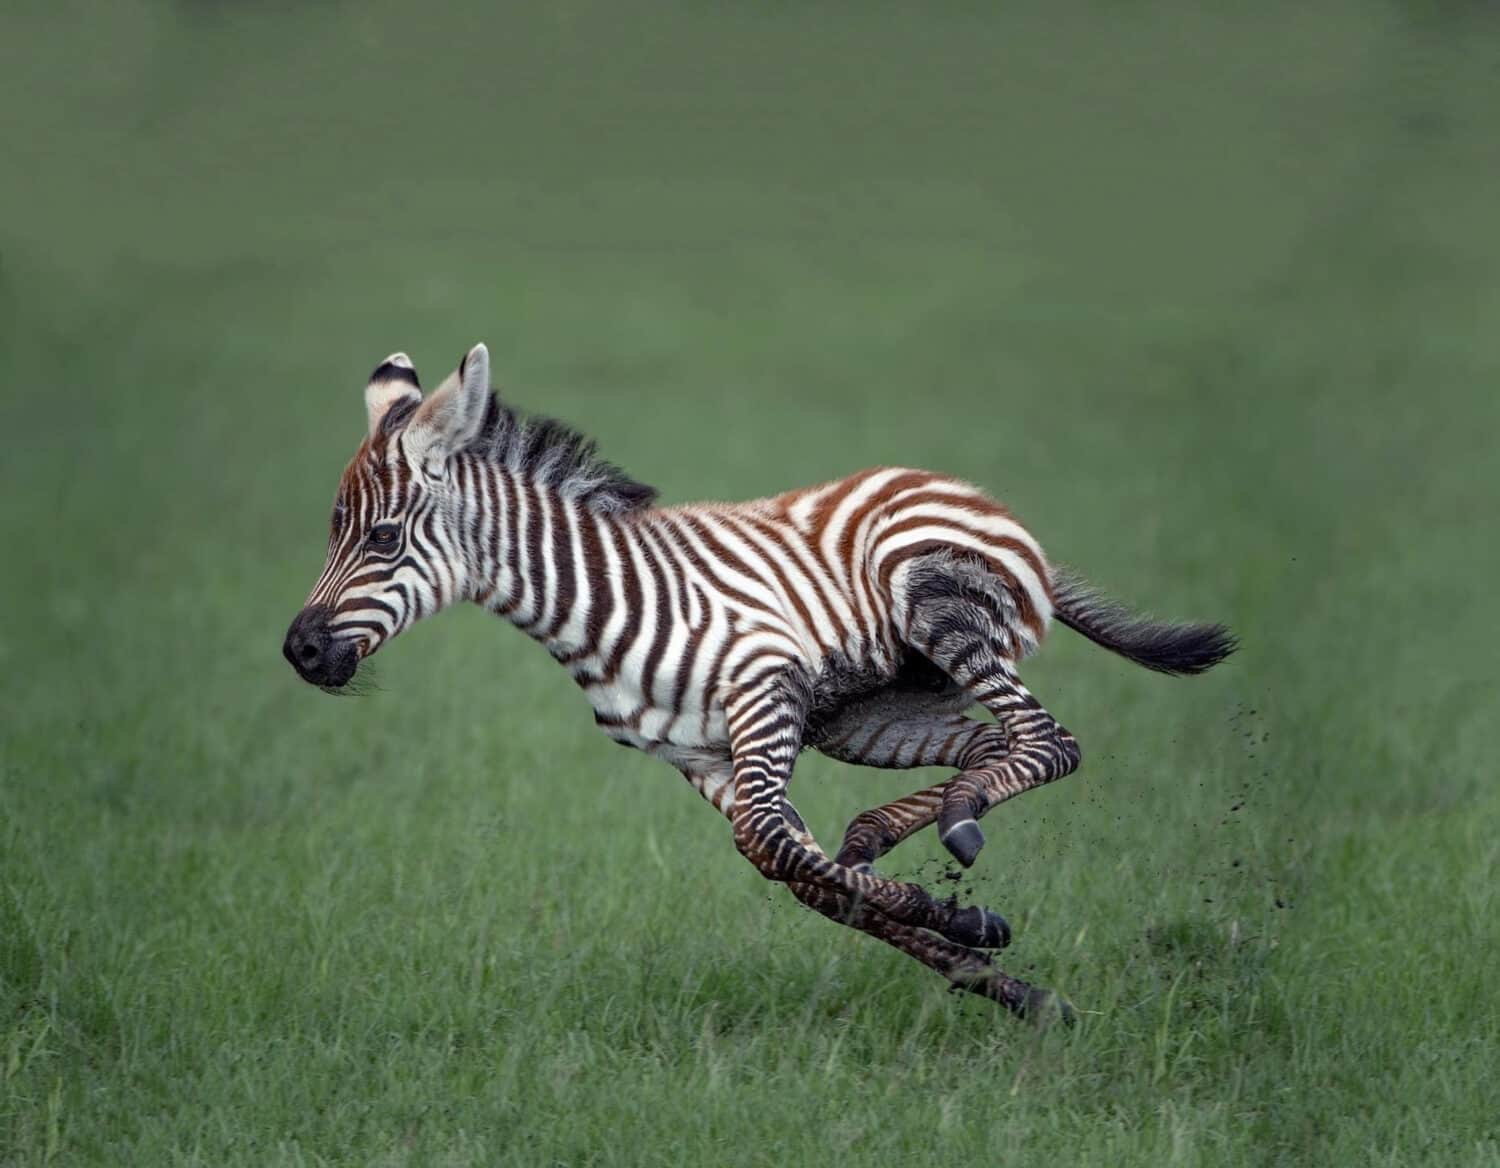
(968, 630)
(965, 968)
(765, 727)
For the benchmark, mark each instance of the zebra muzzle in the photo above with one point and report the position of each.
(313, 652)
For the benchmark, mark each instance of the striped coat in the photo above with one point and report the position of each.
(861, 617)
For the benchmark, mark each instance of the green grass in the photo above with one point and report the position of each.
(1209, 299)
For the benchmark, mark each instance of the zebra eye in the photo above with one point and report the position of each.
(385, 534)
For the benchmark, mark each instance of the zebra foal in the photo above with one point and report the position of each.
(861, 618)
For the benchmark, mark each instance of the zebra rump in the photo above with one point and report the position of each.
(1177, 649)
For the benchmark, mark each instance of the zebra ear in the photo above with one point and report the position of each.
(452, 417)
(394, 380)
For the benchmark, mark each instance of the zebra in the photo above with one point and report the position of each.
(863, 618)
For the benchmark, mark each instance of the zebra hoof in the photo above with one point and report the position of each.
(978, 928)
(963, 840)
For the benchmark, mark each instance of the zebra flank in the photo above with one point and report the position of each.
(861, 617)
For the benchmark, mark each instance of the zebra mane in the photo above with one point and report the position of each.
(553, 454)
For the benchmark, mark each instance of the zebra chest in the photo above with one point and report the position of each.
(658, 719)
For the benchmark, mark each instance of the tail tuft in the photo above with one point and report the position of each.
(1181, 650)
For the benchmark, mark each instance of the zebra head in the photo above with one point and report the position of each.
(395, 548)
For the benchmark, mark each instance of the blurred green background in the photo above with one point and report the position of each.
(1209, 294)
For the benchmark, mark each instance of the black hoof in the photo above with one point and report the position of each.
(1044, 1007)
(964, 839)
(978, 928)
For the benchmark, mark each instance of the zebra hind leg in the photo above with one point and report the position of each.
(968, 631)
(1041, 752)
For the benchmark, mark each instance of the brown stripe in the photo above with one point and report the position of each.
(816, 573)
(875, 502)
(788, 586)
(725, 557)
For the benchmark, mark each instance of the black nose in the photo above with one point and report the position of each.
(307, 642)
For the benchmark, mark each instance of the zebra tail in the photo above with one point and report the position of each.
(1178, 649)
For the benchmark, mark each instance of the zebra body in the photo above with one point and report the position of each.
(666, 609)
(860, 617)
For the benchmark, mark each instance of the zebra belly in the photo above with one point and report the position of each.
(696, 737)
(845, 683)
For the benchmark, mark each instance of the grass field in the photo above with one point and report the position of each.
(1210, 300)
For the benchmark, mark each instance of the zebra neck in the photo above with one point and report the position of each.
(540, 558)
